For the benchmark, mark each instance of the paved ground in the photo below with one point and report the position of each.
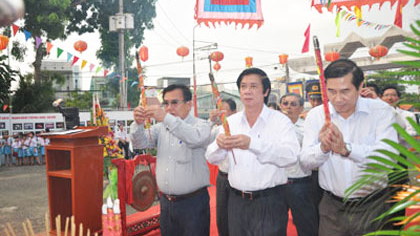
(23, 195)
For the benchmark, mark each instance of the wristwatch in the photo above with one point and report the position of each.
(348, 149)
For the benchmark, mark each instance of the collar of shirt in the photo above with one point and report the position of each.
(263, 116)
(361, 106)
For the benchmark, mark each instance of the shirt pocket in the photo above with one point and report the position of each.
(182, 153)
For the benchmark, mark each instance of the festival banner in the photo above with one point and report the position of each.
(295, 87)
(229, 11)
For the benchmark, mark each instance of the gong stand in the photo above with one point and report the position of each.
(123, 167)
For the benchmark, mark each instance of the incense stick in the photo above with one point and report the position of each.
(88, 232)
(58, 225)
(12, 232)
(31, 230)
(81, 229)
(25, 229)
(66, 228)
(5, 231)
(47, 224)
(96, 234)
(73, 227)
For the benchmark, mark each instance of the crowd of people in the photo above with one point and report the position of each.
(22, 149)
(271, 160)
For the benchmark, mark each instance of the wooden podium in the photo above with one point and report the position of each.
(75, 177)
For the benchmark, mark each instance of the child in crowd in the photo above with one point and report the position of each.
(2, 157)
(41, 149)
(33, 149)
(9, 159)
(17, 150)
(25, 148)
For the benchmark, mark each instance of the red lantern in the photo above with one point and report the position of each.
(332, 56)
(283, 58)
(216, 56)
(80, 46)
(378, 51)
(248, 62)
(144, 53)
(217, 66)
(4, 40)
(182, 51)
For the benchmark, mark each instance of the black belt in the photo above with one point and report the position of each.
(250, 195)
(366, 199)
(299, 180)
(174, 198)
(223, 174)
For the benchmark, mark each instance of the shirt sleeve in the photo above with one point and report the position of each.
(311, 156)
(194, 135)
(281, 148)
(384, 130)
(214, 154)
(140, 138)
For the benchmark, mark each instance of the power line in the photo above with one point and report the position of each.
(176, 28)
(168, 33)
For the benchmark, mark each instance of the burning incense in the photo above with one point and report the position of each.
(322, 80)
(227, 131)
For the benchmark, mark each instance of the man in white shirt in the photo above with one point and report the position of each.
(222, 182)
(340, 150)
(122, 137)
(391, 95)
(263, 142)
(299, 193)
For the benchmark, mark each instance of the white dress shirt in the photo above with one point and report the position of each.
(121, 134)
(273, 146)
(296, 170)
(364, 129)
(223, 165)
(407, 126)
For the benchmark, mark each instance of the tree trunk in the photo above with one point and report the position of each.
(37, 63)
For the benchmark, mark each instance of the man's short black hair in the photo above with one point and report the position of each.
(343, 67)
(186, 93)
(300, 99)
(231, 103)
(264, 80)
(376, 88)
(392, 87)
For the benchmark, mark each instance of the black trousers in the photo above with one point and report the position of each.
(186, 217)
(222, 198)
(260, 216)
(125, 147)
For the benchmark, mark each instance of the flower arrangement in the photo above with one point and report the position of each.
(111, 149)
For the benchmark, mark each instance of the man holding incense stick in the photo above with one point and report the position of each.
(182, 173)
(340, 150)
(263, 142)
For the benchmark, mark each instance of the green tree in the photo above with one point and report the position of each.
(83, 101)
(33, 97)
(95, 15)
(394, 167)
(46, 18)
(6, 77)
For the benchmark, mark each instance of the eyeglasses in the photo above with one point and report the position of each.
(293, 104)
(175, 102)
